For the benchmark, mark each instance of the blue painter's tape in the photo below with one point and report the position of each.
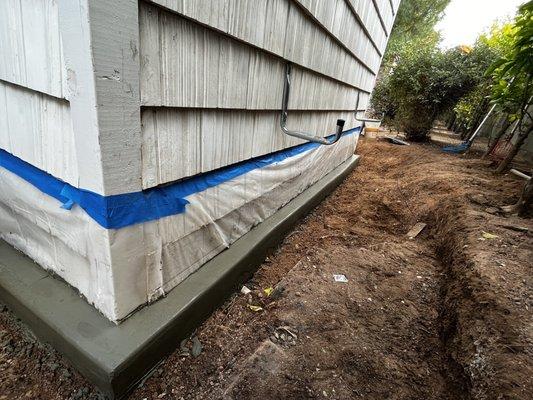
(121, 210)
(116, 211)
(68, 205)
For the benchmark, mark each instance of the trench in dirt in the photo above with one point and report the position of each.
(385, 335)
(414, 321)
(402, 197)
(416, 313)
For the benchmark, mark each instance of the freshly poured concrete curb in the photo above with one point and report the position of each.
(116, 358)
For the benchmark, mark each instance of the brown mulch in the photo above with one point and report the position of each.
(446, 315)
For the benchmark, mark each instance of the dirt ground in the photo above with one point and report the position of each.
(446, 315)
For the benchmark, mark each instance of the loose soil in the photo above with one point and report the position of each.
(446, 315)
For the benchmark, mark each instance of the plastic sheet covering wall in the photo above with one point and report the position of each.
(30, 45)
(119, 270)
(38, 128)
(67, 242)
(220, 215)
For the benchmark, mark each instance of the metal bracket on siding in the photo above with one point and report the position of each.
(303, 135)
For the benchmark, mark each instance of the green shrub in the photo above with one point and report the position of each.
(423, 84)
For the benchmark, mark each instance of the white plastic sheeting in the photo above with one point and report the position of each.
(68, 243)
(108, 266)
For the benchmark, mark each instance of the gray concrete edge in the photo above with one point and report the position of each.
(116, 357)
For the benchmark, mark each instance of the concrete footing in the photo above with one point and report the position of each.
(115, 358)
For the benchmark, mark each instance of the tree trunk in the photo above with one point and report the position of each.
(495, 141)
(523, 206)
(451, 122)
(478, 117)
(526, 199)
(522, 136)
(454, 126)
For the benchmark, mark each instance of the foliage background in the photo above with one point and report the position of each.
(418, 82)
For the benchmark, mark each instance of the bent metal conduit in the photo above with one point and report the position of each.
(303, 135)
(363, 120)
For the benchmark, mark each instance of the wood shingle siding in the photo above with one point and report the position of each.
(280, 27)
(180, 142)
(30, 46)
(191, 85)
(38, 129)
(186, 65)
(343, 22)
(212, 74)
